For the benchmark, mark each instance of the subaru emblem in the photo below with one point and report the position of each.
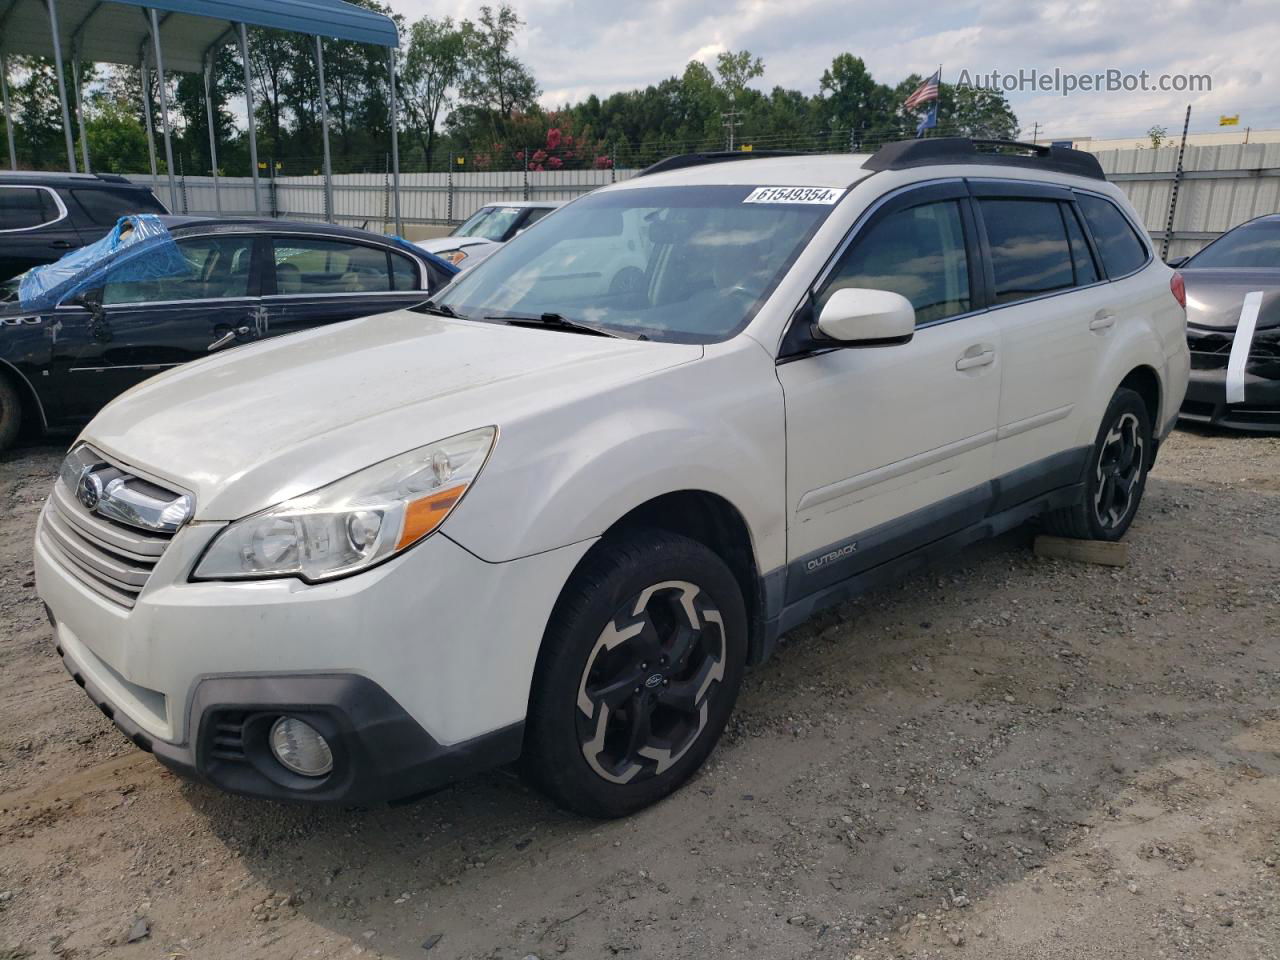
(90, 492)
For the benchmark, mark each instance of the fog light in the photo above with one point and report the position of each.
(300, 748)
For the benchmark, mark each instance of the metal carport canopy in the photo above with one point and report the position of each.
(188, 28)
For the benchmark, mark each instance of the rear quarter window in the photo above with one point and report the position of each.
(104, 207)
(1120, 247)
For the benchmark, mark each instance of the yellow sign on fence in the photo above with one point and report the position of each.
(1225, 121)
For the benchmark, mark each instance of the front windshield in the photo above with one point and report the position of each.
(491, 223)
(1255, 245)
(685, 264)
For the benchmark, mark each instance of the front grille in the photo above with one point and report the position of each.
(226, 737)
(111, 559)
(1211, 351)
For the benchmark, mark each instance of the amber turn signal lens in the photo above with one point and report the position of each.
(424, 515)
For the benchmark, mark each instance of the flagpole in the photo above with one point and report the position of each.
(937, 118)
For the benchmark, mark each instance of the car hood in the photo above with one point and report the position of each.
(259, 424)
(1215, 296)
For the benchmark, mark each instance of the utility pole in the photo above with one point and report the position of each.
(1035, 132)
(730, 118)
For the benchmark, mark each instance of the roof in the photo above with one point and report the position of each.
(60, 179)
(117, 31)
(179, 222)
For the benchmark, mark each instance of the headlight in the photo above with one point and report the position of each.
(453, 256)
(354, 523)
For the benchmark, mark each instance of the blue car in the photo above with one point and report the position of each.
(160, 291)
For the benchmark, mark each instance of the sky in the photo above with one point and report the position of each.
(577, 48)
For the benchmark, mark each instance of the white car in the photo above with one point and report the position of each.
(486, 230)
(553, 516)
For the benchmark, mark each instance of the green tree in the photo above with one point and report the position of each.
(967, 111)
(494, 84)
(736, 70)
(433, 66)
(851, 99)
(117, 138)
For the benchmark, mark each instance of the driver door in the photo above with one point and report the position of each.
(154, 324)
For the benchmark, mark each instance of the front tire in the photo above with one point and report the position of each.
(1121, 455)
(640, 668)
(10, 414)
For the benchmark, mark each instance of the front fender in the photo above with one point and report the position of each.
(569, 473)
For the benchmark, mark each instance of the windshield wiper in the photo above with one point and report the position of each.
(561, 322)
(438, 310)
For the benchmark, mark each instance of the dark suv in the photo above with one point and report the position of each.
(43, 215)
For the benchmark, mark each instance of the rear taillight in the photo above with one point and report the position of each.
(1178, 287)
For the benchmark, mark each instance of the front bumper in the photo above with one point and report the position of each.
(380, 752)
(1206, 402)
(419, 669)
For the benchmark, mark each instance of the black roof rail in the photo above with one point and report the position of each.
(113, 178)
(718, 156)
(904, 154)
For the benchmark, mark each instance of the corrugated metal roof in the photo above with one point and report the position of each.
(116, 31)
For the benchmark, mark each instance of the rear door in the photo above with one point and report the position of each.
(154, 324)
(1049, 302)
(316, 280)
(34, 228)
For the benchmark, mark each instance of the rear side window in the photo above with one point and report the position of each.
(918, 252)
(104, 207)
(309, 266)
(1122, 250)
(1030, 255)
(25, 207)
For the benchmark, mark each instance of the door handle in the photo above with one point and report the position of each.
(970, 360)
(1102, 320)
(61, 244)
(230, 337)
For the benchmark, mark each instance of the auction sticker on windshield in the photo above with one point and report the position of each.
(823, 195)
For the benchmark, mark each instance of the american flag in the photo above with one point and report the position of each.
(925, 92)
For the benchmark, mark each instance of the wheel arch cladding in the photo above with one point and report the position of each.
(713, 521)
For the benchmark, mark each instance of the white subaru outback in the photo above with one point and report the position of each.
(553, 513)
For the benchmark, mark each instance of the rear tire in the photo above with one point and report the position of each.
(1117, 474)
(639, 672)
(10, 414)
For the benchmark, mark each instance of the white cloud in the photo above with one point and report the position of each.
(576, 48)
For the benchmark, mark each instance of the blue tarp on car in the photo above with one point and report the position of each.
(139, 247)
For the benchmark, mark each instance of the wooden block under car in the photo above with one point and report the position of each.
(1082, 551)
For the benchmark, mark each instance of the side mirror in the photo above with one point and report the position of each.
(872, 318)
(91, 300)
(1177, 261)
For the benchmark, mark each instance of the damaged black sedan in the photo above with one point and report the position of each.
(1233, 328)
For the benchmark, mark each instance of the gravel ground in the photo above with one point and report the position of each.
(1004, 757)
